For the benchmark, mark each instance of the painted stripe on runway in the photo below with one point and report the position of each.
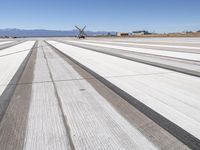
(180, 55)
(142, 44)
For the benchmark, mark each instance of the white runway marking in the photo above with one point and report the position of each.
(180, 55)
(151, 45)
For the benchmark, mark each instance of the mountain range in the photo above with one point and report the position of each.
(47, 33)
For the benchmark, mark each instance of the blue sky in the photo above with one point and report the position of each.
(101, 15)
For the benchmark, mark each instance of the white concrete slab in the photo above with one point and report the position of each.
(10, 64)
(5, 42)
(94, 123)
(18, 48)
(45, 129)
(60, 69)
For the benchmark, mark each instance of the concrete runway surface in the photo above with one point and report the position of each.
(100, 93)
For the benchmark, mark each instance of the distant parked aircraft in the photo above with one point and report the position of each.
(82, 34)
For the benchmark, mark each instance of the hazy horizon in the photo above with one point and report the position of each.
(88, 30)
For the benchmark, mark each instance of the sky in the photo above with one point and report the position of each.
(161, 16)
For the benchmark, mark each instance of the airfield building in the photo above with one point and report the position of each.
(140, 32)
(122, 34)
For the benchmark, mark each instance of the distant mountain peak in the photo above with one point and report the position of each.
(43, 32)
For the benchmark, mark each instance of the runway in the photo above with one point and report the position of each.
(100, 94)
